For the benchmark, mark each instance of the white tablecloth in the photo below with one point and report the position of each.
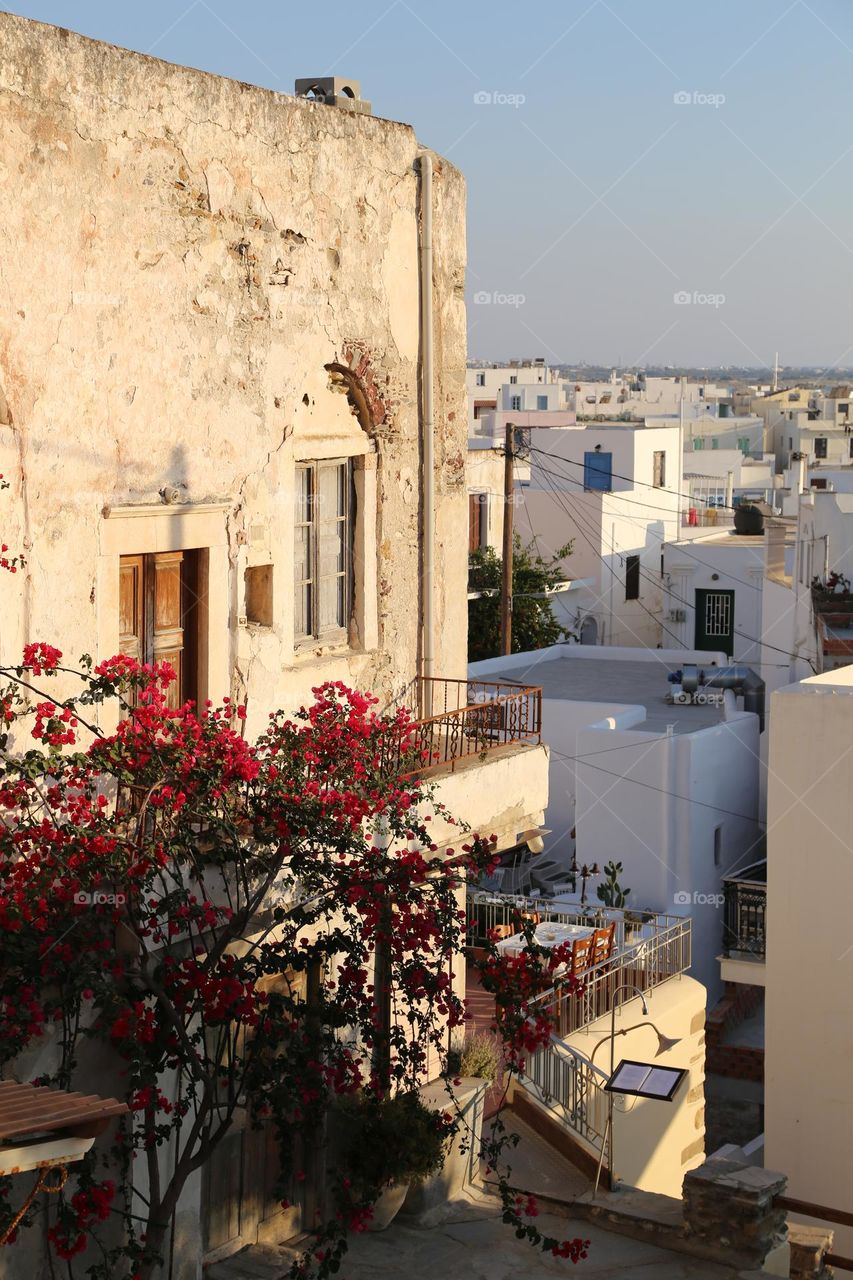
(547, 935)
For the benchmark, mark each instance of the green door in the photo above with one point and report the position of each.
(715, 621)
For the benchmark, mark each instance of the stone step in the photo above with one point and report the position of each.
(255, 1262)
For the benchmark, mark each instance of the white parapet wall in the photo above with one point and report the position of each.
(656, 1143)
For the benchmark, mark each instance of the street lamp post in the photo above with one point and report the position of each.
(664, 1043)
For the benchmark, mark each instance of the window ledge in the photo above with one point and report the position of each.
(307, 655)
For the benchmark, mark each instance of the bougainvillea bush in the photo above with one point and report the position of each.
(229, 925)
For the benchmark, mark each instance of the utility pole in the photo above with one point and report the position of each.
(506, 567)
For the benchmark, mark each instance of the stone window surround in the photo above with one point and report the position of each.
(364, 616)
(134, 530)
(145, 529)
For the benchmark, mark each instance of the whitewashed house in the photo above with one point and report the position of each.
(670, 790)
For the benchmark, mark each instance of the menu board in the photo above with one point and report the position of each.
(645, 1080)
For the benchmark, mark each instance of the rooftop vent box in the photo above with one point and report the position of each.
(334, 91)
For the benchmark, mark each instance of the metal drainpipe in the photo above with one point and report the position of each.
(427, 429)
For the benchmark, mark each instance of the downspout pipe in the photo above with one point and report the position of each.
(742, 680)
(427, 435)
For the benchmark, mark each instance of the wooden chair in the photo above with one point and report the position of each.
(504, 930)
(581, 955)
(602, 944)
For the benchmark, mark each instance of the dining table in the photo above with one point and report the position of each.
(547, 934)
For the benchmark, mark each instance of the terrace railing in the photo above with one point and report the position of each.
(645, 965)
(487, 911)
(467, 720)
(571, 1088)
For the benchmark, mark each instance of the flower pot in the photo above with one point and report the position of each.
(388, 1205)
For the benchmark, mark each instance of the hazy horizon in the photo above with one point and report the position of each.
(665, 186)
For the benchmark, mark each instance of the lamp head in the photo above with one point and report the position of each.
(644, 1006)
(665, 1043)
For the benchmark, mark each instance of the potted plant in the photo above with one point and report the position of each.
(475, 1056)
(386, 1145)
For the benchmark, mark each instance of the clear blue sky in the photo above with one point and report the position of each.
(598, 197)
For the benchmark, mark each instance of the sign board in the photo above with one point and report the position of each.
(645, 1080)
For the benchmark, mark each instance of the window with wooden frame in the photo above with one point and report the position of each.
(158, 615)
(478, 521)
(323, 550)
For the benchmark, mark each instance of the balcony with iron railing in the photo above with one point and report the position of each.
(648, 949)
(745, 913)
(468, 720)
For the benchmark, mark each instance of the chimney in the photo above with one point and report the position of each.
(334, 91)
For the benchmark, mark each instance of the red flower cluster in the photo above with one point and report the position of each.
(88, 1206)
(54, 725)
(41, 657)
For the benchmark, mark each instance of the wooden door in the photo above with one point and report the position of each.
(158, 613)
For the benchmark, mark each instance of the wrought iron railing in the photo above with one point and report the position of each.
(570, 1087)
(487, 911)
(745, 912)
(645, 965)
(468, 719)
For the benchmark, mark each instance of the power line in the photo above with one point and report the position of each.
(584, 533)
(660, 538)
(632, 480)
(622, 777)
(563, 498)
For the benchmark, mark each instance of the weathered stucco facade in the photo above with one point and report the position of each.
(182, 259)
(206, 287)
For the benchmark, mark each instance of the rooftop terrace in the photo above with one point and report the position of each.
(617, 683)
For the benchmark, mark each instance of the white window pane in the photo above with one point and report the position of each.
(332, 548)
(331, 613)
(330, 483)
(303, 495)
(302, 554)
(302, 602)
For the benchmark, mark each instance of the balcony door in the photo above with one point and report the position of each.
(715, 621)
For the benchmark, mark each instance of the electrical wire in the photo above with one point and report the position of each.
(631, 479)
(563, 498)
(584, 531)
(673, 794)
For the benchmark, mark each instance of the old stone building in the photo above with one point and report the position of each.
(222, 311)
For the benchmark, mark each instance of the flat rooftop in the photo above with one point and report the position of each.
(613, 682)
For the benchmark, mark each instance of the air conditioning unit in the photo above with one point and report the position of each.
(678, 615)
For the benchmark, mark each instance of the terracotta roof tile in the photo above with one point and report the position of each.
(27, 1109)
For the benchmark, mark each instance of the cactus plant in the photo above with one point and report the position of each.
(610, 891)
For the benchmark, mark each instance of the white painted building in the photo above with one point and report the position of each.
(634, 397)
(614, 490)
(824, 546)
(808, 1103)
(733, 592)
(670, 791)
(704, 433)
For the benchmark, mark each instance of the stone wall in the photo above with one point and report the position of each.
(202, 282)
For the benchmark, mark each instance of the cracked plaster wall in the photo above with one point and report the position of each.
(180, 257)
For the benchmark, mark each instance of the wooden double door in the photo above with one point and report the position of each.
(159, 615)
